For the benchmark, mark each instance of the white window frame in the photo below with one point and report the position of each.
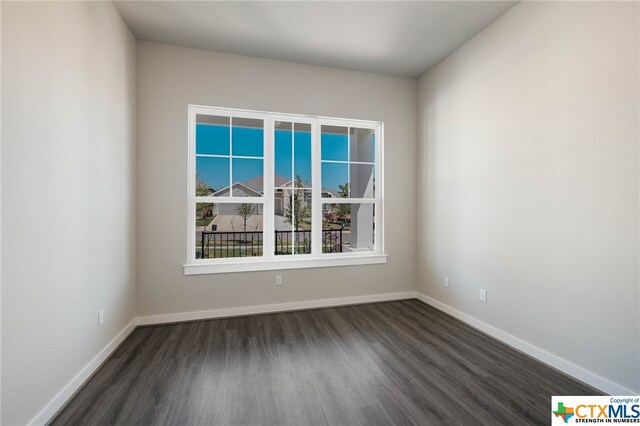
(269, 261)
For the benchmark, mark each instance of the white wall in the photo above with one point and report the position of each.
(170, 78)
(68, 182)
(528, 161)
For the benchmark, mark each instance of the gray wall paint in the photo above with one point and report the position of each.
(170, 78)
(68, 180)
(529, 181)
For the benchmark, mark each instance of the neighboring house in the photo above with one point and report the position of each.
(238, 189)
(283, 197)
(255, 188)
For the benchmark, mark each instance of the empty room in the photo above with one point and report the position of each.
(319, 213)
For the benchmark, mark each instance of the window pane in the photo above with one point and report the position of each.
(248, 178)
(302, 155)
(283, 228)
(362, 181)
(292, 221)
(334, 143)
(283, 153)
(362, 143)
(212, 176)
(301, 221)
(348, 227)
(248, 137)
(335, 178)
(228, 230)
(212, 135)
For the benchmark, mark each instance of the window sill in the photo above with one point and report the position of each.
(249, 265)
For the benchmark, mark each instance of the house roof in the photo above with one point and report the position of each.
(257, 183)
(254, 187)
(250, 192)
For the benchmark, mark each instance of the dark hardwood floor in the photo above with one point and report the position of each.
(380, 364)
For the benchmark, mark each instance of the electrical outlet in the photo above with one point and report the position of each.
(278, 279)
(100, 317)
(483, 295)
(446, 282)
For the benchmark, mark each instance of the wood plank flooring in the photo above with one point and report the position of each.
(387, 363)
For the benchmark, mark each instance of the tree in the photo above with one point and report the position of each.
(297, 211)
(343, 190)
(344, 210)
(203, 210)
(202, 189)
(245, 211)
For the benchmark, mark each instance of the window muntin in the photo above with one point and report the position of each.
(348, 161)
(348, 174)
(293, 196)
(353, 226)
(228, 150)
(285, 187)
(229, 230)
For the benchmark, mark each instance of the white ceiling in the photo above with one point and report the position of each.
(397, 38)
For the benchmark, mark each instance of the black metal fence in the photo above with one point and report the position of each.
(220, 244)
(289, 242)
(332, 240)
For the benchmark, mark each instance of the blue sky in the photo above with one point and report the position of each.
(214, 140)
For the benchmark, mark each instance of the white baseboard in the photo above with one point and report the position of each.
(278, 307)
(550, 359)
(58, 401)
(47, 413)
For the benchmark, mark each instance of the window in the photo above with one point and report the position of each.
(278, 191)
